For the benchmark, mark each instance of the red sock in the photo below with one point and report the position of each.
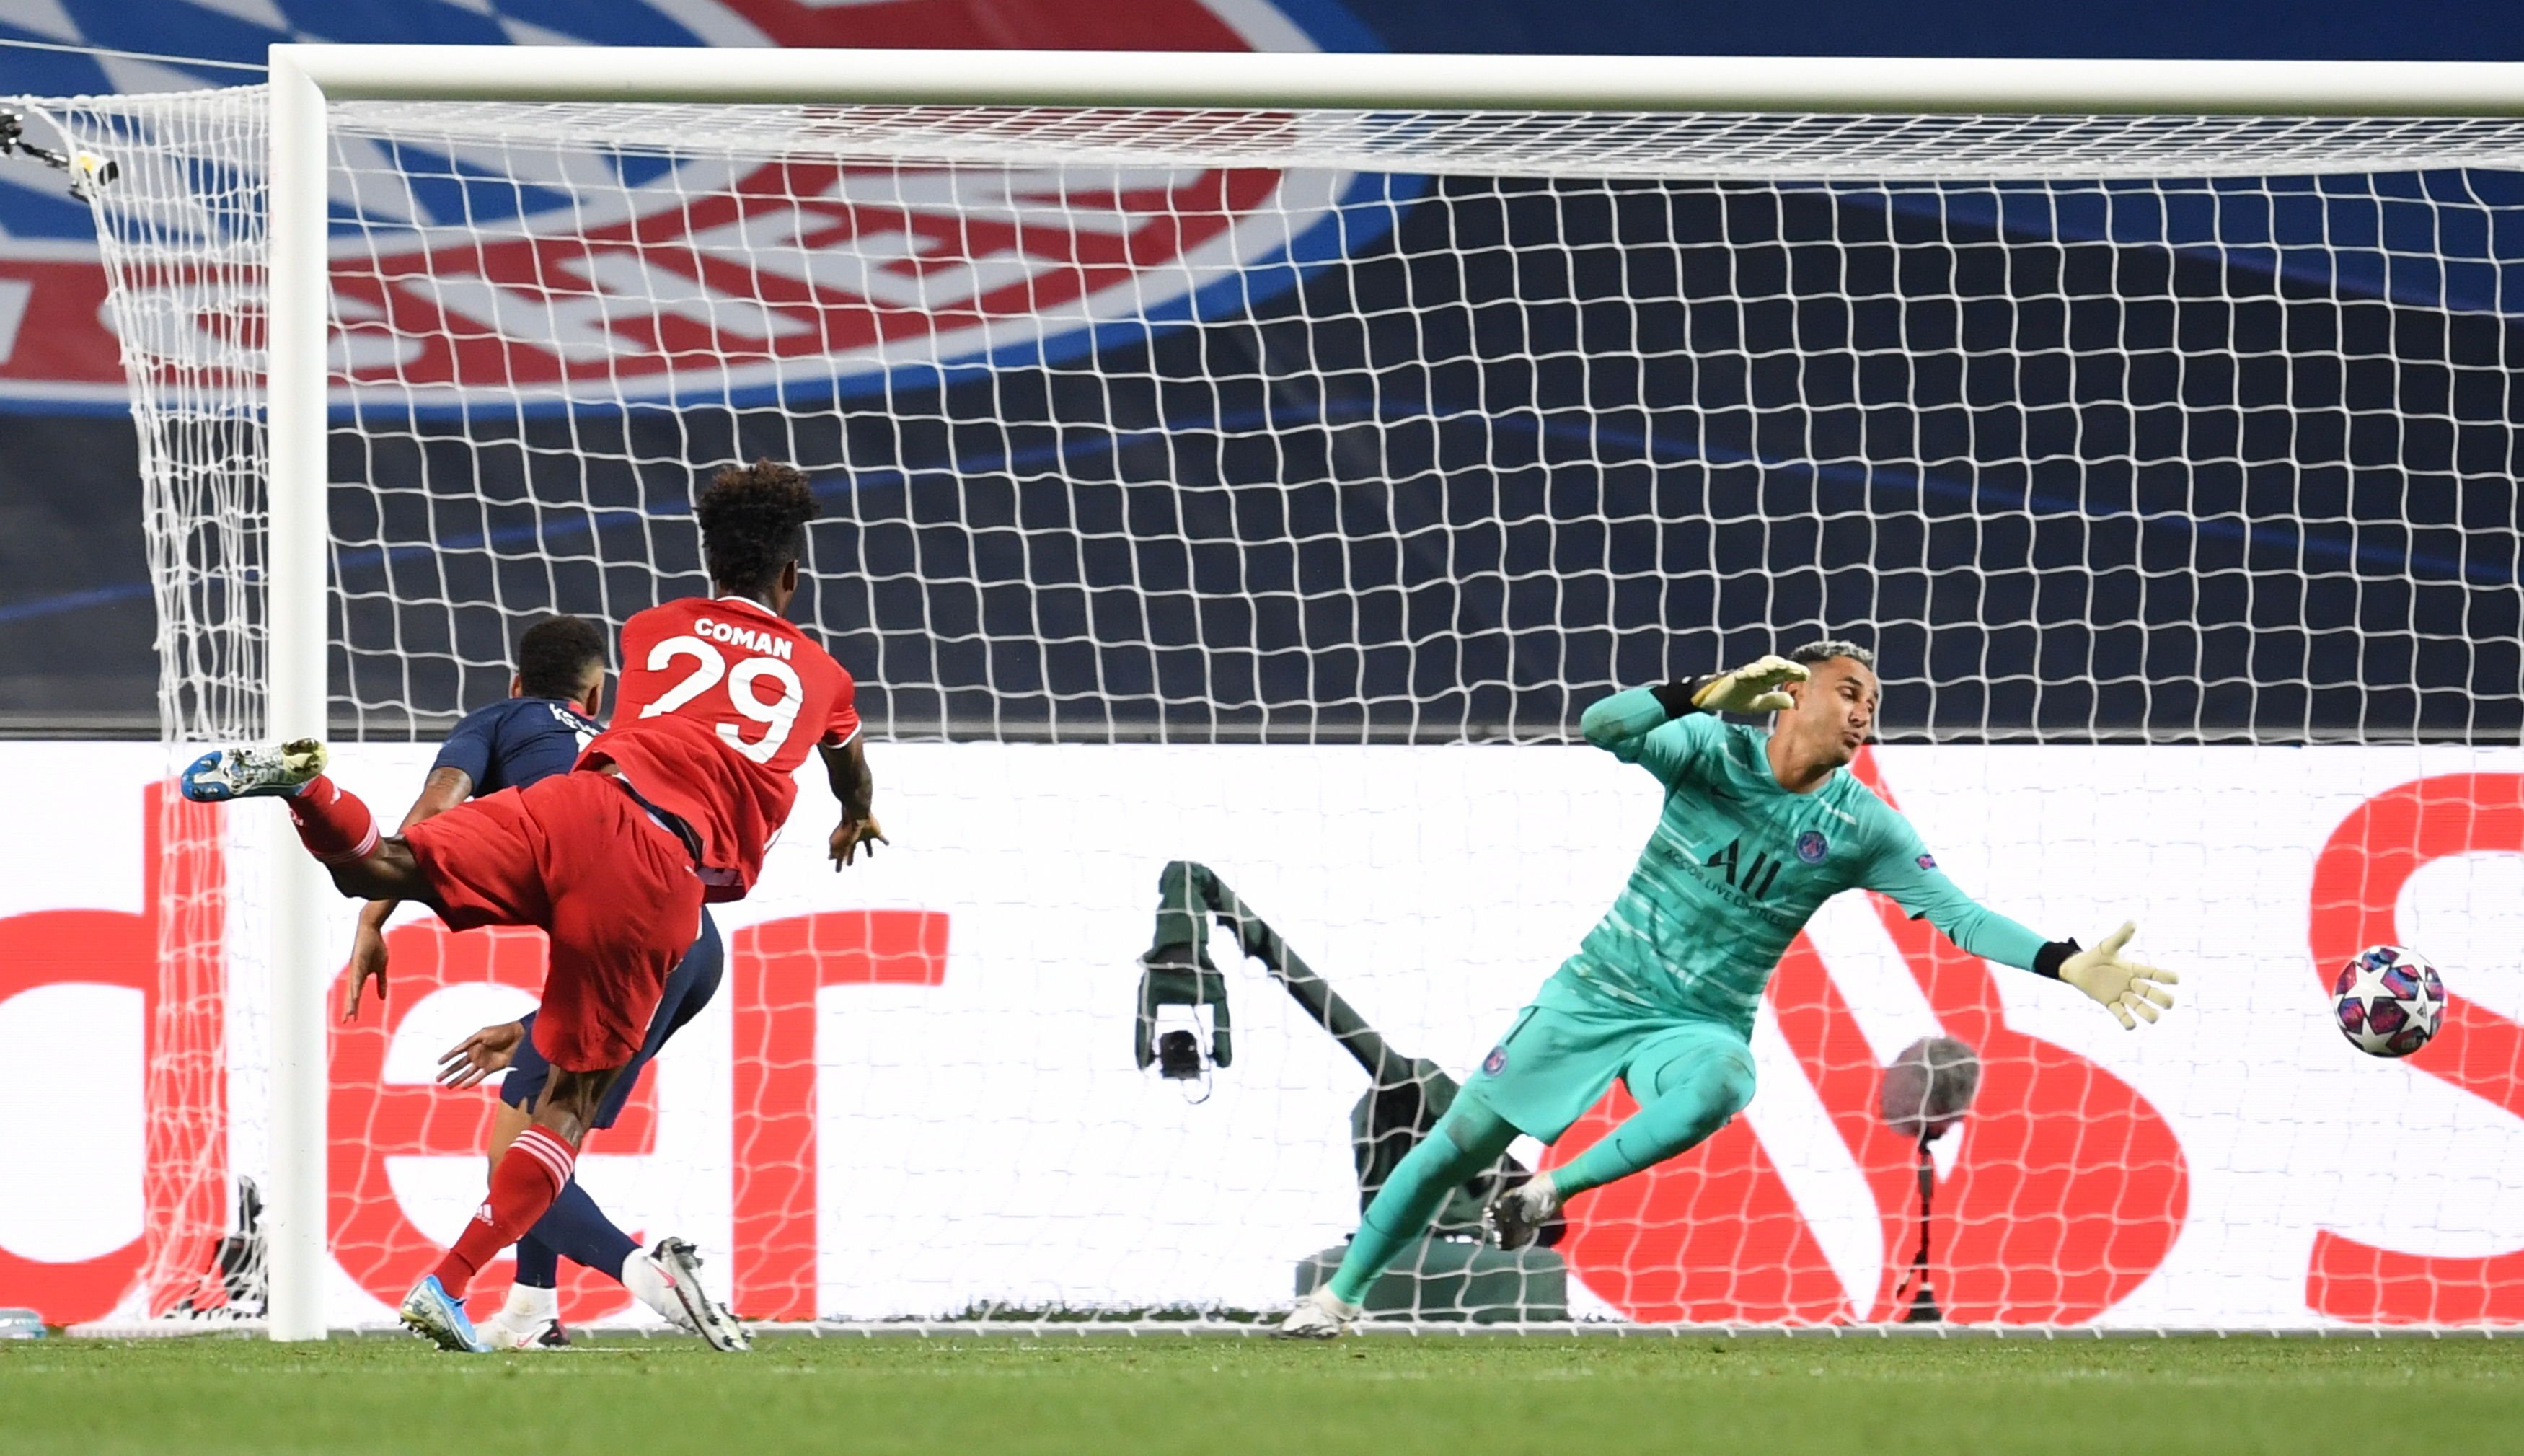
(333, 824)
(529, 1176)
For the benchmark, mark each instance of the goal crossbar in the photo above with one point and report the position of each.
(1829, 85)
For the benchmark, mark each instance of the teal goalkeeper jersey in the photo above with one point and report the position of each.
(1738, 864)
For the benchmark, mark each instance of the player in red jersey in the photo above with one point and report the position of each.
(722, 698)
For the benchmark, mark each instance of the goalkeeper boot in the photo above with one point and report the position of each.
(1517, 1215)
(1321, 1315)
(666, 1278)
(440, 1317)
(256, 770)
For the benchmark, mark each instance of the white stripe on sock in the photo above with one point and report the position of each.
(548, 1150)
(367, 847)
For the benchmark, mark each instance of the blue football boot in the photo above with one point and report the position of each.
(257, 770)
(440, 1316)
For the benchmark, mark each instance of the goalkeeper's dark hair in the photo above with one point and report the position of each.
(553, 655)
(754, 522)
(1830, 648)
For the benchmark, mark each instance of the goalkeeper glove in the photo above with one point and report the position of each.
(2122, 985)
(1753, 688)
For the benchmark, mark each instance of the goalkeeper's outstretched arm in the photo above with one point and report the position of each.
(2130, 991)
(1635, 712)
(1625, 724)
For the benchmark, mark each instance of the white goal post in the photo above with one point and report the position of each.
(306, 79)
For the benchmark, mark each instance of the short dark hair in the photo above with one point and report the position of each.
(754, 522)
(553, 655)
(1830, 648)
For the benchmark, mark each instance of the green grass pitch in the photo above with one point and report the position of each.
(1392, 1396)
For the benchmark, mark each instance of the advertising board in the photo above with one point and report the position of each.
(915, 1095)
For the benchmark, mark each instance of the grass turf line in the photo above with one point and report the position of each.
(1015, 1396)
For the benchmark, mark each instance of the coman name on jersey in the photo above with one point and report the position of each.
(751, 639)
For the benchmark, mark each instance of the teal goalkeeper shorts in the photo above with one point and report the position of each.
(1565, 1050)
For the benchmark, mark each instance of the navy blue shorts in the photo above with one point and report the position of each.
(689, 987)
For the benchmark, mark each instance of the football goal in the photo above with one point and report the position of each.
(1251, 466)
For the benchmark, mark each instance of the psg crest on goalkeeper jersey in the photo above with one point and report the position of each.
(472, 262)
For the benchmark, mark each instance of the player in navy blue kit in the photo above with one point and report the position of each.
(536, 732)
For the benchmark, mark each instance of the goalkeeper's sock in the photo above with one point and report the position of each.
(530, 1175)
(576, 1228)
(1689, 1097)
(332, 823)
(538, 1262)
(1467, 1140)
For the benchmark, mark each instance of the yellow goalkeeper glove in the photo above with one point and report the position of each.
(1753, 688)
(2122, 985)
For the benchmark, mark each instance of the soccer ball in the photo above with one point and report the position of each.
(2389, 1000)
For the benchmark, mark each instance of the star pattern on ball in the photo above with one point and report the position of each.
(2374, 1012)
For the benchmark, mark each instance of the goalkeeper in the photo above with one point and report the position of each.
(1758, 830)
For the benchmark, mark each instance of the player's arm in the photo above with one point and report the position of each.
(1905, 870)
(447, 786)
(845, 768)
(472, 1061)
(1664, 728)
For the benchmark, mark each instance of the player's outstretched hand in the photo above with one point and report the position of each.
(367, 962)
(2129, 991)
(488, 1050)
(1753, 688)
(852, 836)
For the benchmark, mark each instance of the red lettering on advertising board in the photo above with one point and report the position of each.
(775, 970)
(372, 1122)
(779, 967)
(184, 909)
(2357, 882)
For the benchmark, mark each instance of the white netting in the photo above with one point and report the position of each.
(1483, 144)
(1366, 437)
(183, 250)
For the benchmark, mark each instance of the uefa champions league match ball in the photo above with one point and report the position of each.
(2388, 1001)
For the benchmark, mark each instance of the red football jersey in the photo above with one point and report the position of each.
(721, 699)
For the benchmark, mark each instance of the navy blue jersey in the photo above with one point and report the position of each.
(516, 741)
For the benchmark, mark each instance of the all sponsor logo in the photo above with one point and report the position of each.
(473, 270)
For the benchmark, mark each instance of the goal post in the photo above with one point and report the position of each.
(1778, 127)
(298, 317)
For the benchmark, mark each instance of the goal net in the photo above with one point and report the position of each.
(1269, 491)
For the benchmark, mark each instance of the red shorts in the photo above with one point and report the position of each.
(576, 855)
